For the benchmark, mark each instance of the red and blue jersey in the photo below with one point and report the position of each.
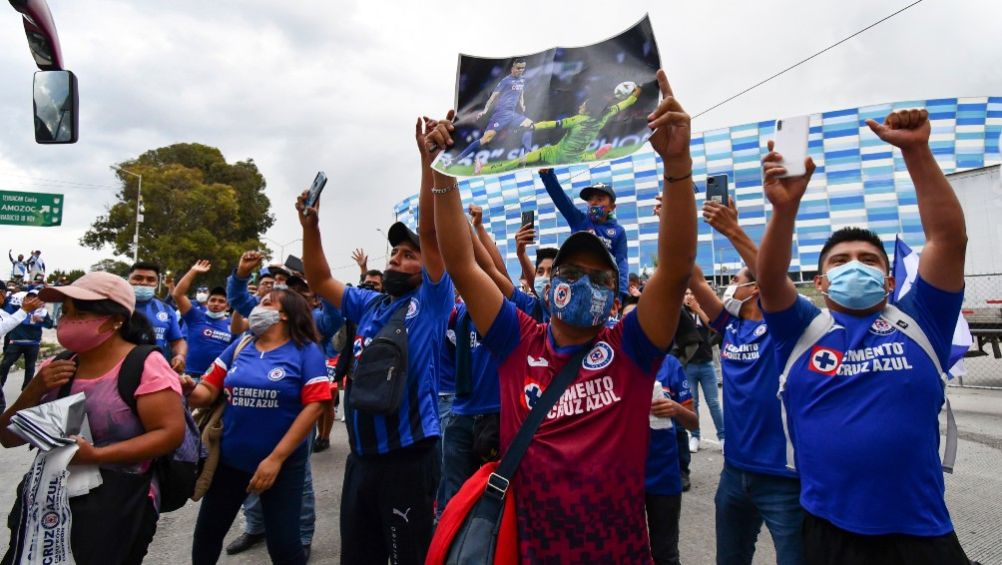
(265, 392)
(663, 477)
(428, 309)
(207, 338)
(755, 439)
(580, 487)
(863, 410)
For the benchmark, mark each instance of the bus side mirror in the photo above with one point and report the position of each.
(56, 107)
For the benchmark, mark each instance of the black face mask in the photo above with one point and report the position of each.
(396, 283)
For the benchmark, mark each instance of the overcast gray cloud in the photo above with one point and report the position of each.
(337, 85)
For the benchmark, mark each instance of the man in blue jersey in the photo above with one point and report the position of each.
(601, 199)
(144, 278)
(388, 493)
(862, 396)
(755, 484)
(506, 108)
(208, 326)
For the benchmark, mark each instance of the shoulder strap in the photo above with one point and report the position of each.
(246, 339)
(64, 390)
(132, 372)
(497, 483)
(906, 325)
(816, 330)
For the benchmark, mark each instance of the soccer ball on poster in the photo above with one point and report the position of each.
(624, 89)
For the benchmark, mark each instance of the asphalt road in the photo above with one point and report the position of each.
(974, 493)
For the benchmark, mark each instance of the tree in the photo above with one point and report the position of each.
(195, 206)
(113, 266)
(70, 275)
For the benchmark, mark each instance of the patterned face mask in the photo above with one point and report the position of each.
(576, 300)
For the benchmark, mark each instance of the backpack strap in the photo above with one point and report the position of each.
(131, 374)
(463, 361)
(64, 390)
(816, 330)
(906, 325)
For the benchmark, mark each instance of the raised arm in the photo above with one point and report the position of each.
(485, 262)
(180, 291)
(575, 218)
(236, 284)
(430, 254)
(704, 295)
(362, 260)
(523, 237)
(659, 305)
(776, 290)
(941, 263)
(483, 299)
(724, 219)
(487, 241)
(318, 272)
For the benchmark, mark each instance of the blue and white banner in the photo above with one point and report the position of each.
(906, 264)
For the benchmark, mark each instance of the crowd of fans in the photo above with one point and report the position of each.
(842, 466)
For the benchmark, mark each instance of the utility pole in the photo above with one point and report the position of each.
(139, 211)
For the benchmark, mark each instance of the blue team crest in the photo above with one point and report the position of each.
(413, 307)
(561, 295)
(599, 357)
(163, 316)
(611, 232)
(882, 327)
(824, 360)
(276, 374)
(207, 332)
(531, 393)
(760, 331)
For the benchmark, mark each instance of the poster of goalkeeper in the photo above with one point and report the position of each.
(558, 107)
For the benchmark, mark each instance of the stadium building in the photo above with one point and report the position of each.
(859, 181)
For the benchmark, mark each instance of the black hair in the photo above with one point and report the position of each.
(297, 284)
(545, 253)
(516, 61)
(302, 329)
(135, 327)
(853, 233)
(145, 266)
(218, 291)
(373, 273)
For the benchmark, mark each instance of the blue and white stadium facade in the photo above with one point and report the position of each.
(859, 181)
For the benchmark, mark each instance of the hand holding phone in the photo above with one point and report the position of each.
(528, 218)
(716, 189)
(319, 182)
(791, 143)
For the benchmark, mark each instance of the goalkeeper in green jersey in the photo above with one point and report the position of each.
(582, 129)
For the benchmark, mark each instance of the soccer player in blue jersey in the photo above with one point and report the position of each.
(506, 107)
(755, 485)
(863, 398)
(144, 278)
(388, 494)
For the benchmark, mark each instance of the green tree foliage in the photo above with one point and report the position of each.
(196, 206)
(113, 266)
(70, 275)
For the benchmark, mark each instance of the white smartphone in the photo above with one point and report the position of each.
(791, 143)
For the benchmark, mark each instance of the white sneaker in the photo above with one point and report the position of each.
(478, 166)
(693, 444)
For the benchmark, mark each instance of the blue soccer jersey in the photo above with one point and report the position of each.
(265, 392)
(863, 410)
(163, 318)
(663, 477)
(485, 394)
(755, 438)
(207, 338)
(509, 91)
(428, 309)
(447, 359)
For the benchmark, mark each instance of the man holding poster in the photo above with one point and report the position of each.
(595, 101)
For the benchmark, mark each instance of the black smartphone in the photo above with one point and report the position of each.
(318, 186)
(716, 189)
(528, 218)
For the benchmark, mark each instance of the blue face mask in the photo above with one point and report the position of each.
(539, 285)
(143, 293)
(580, 303)
(856, 286)
(596, 213)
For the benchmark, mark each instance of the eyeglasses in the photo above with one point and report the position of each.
(571, 274)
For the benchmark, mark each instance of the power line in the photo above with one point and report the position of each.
(797, 64)
(58, 182)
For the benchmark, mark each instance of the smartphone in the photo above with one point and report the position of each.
(314, 193)
(528, 218)
(716, 189)
(791, 143)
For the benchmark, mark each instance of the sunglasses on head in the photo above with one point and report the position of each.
(571, 273)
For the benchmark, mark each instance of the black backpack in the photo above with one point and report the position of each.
(380, 376)
(177, 471)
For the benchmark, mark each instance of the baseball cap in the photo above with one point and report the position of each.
(601, 187)
(586, 243)
(97, 285)
(399, 233)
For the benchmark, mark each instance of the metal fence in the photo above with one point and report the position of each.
(983, 311)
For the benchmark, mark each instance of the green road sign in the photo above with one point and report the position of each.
(30, 208)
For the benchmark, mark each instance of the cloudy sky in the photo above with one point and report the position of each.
(307, 85)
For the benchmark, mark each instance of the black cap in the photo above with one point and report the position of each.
(276, 269)
(399, 233)
(586, 243)
(587, 191)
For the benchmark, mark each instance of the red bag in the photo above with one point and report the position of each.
(506, 550)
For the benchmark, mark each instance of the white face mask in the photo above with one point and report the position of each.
(202, 297)
(731, 304)
(216, 315)
(261, 319)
